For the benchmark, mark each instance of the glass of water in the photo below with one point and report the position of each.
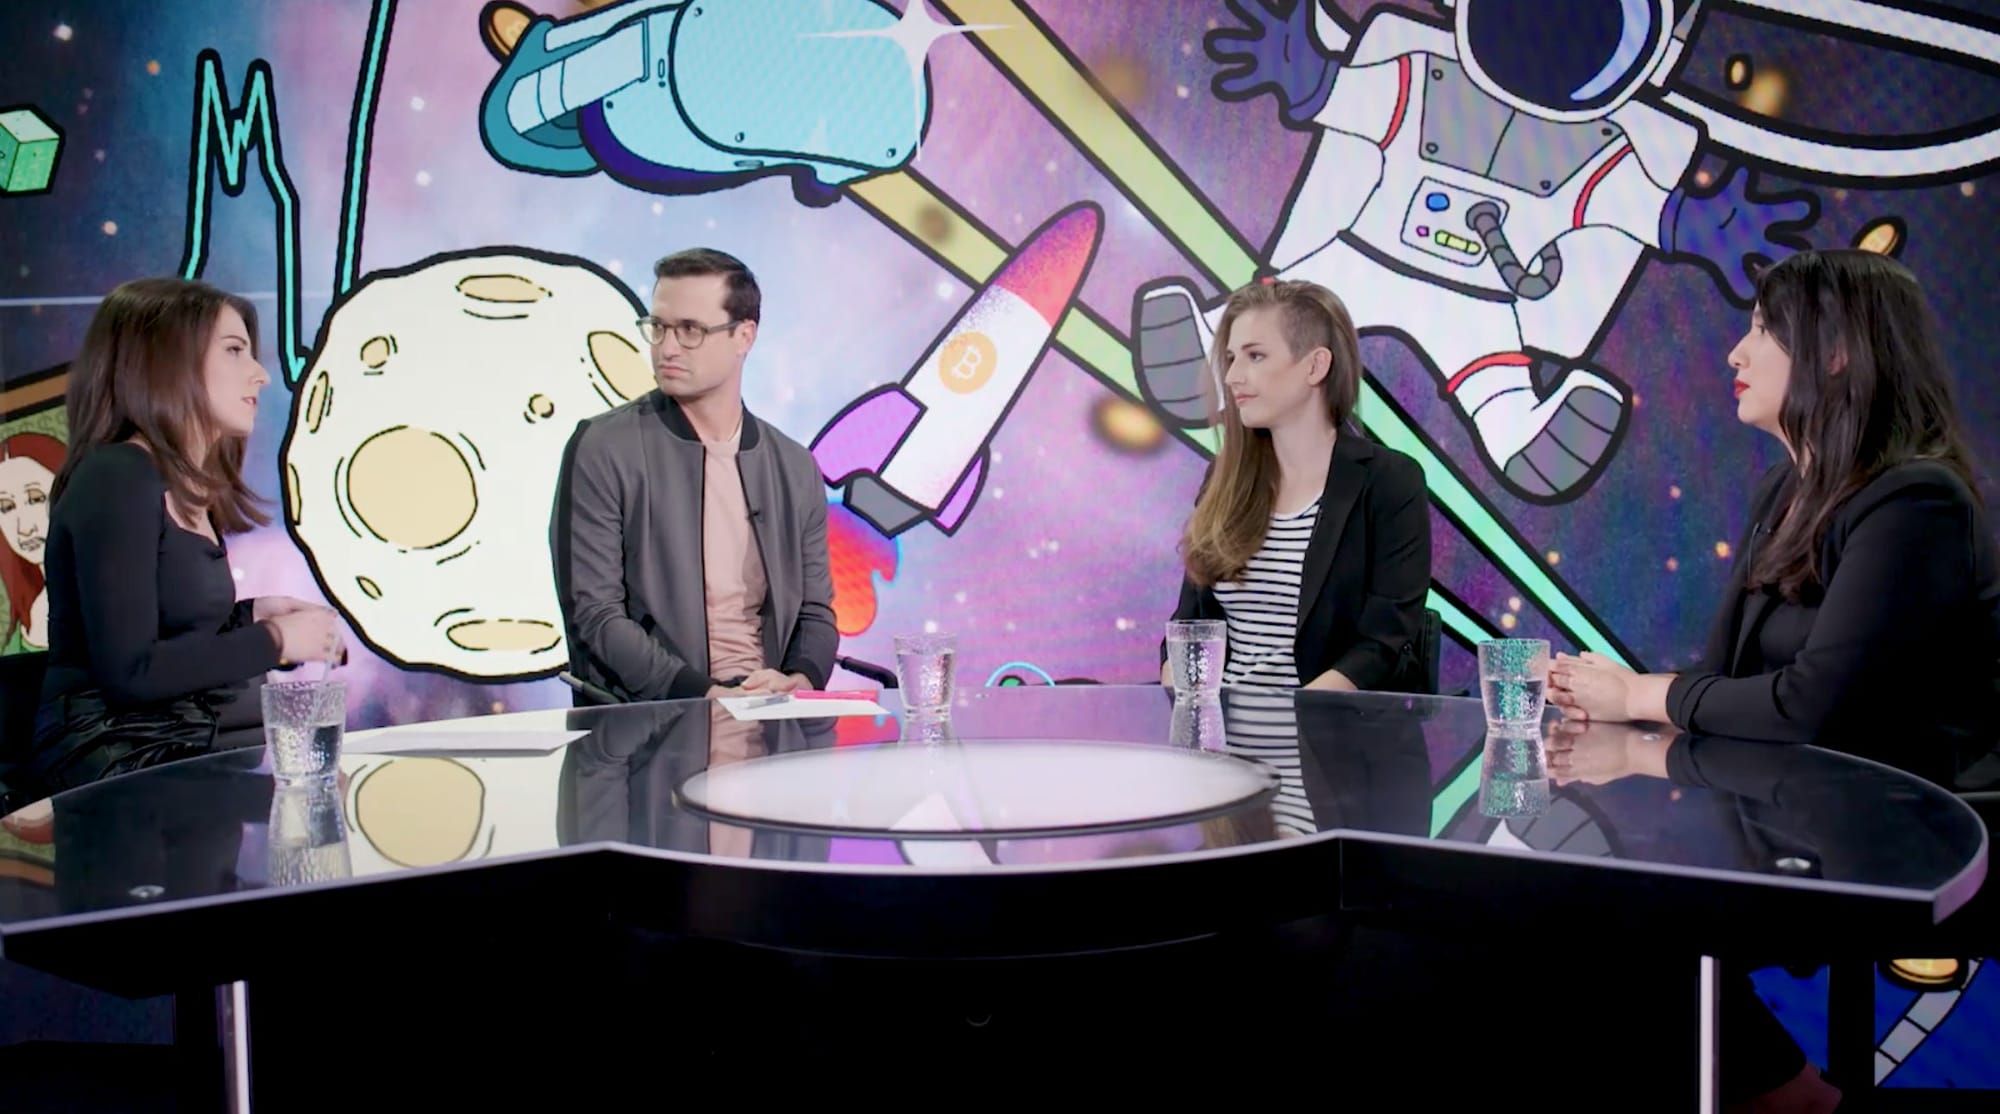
(1513, 681)
(1195, 657)
(303, 725)
(925, 666)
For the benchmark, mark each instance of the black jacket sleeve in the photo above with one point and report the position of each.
(1399, 574)
(115, 514)
(1903, 564)
(1195, 602)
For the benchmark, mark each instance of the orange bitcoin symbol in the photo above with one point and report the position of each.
(966, 362)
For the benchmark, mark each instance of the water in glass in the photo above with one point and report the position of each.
(1513, 701)
(925, 669)
(1195, 657)
(1513, 679)
(304, 722)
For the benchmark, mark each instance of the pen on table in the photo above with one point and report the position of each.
(766, 701)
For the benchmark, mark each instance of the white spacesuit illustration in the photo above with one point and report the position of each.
(1488, 214)
(1486, 193)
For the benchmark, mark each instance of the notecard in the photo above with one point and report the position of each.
(803, 705)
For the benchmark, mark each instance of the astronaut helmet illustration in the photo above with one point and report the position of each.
(1564, 60)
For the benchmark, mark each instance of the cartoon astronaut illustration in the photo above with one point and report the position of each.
(1485, 193)
(654, 93)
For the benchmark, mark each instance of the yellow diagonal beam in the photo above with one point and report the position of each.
(1053, 79)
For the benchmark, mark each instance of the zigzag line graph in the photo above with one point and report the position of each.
(225, 134)
(223, 140)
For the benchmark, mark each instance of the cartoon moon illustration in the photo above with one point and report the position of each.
(425, 443)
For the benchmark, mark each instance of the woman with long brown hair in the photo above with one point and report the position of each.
(1313, 544)
(150, 653)
(1866, 597)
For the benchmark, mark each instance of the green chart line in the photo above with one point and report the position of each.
(223, 140)
(225, 134)
(361, 137)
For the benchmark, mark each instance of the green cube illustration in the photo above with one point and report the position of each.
(28, 148)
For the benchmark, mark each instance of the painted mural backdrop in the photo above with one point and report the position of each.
(1544, 214)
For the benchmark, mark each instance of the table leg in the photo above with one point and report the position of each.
(232, 1015)
(1850, 1025)
(1710, 1066)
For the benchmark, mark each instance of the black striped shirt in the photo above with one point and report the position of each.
(1262, 609)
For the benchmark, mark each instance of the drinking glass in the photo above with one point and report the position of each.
(1513, 679)
(1195, 657)
(304, 722)
(925, 667)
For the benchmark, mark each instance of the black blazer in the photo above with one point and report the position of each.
(1367, 573)
(1902, 641)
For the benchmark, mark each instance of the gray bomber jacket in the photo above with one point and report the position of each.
(625, 534)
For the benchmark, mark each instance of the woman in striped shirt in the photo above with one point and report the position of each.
(1312, 543)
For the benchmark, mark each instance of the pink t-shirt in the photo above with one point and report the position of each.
(732, 569)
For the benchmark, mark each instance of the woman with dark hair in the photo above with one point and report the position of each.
(150, 653)
(1311, 543)
(1867, 586)
(28, 466)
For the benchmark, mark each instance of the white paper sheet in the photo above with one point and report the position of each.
(418, 741)
(789, 706)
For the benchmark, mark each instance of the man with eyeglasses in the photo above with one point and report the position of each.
(689, 537)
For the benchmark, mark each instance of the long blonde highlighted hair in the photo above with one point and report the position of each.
(1234, 510)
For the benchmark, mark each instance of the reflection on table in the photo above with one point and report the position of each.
(1016, 777)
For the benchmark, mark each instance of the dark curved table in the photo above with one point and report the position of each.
(1038, 822)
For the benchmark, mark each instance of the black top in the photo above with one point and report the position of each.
(859, 836)
(1367, 573)
(1904, 631)
(139, 608)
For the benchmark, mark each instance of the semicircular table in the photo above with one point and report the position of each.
(1034, 823)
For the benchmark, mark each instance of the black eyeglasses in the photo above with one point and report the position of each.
(687, 332)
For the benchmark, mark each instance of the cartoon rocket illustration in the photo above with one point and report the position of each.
(917, 450)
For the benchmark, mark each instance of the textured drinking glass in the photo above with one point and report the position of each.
(303, 725)
(308, 834)
(1514, 775)
(1513, 677)
(925, 665)
(1195, 657)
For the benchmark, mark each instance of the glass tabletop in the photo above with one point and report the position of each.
(1018, 778)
